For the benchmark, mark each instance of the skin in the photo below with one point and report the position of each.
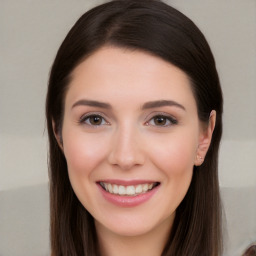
(130, 144)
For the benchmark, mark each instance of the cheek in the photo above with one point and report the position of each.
(175, 155)
(175, 160)
(83, 153)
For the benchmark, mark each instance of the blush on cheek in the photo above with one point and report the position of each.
(83, 154)
(176, 158)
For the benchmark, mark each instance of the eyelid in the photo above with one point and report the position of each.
(87, 115)
(171, 118)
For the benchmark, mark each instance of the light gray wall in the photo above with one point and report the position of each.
(31, 32)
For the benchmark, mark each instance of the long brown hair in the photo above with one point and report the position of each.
(154, 27)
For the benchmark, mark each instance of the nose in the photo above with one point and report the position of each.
(126, 149)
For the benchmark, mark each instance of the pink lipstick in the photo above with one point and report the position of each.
(128, 193)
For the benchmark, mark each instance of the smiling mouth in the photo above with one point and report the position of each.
(130, 190)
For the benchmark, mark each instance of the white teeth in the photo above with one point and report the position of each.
(127, 190)
(138, 189)
(145, 187)
(110, 188)
(115, 189)
(121, 191)
(130, 190)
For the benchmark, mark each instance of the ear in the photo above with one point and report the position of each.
(57, 134)
(205, 138)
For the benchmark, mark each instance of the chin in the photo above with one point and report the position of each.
(134, 226)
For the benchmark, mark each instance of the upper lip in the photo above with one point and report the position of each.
(127, 182)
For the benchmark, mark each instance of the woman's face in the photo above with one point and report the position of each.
(130, 137)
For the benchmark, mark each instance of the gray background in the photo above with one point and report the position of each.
(31, 32)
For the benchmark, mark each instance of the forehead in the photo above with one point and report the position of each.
(122, 74)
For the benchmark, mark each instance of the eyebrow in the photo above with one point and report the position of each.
(92, 103)
(147, 105)
(162, 103)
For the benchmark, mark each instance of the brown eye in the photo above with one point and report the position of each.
(160, 120)
(94, 120)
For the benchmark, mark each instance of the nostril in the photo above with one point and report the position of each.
(125, 151)
(125, 160)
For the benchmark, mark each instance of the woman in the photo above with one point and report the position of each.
(134, 114)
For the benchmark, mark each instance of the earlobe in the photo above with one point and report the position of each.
(57, 134)
(205, 138)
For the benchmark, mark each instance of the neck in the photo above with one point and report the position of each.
(151, 243)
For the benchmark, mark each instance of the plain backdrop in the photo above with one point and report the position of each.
(31, 32)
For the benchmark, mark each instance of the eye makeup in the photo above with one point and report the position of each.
(93, 119)
(162, 120)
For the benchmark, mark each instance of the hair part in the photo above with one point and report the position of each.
(158, 29)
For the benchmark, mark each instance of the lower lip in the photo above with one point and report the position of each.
(128, 201)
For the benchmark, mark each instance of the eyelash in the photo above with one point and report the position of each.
(85, 118)
(171, 121)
